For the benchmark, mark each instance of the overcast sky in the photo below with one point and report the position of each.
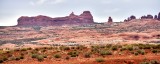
(119, 10)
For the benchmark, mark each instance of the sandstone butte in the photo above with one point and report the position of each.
(40, 20)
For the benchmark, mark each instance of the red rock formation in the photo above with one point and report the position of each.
(155, 17)
(110, 20)
(147, 17)
(132, 17)
(159, 16)
(72, 19)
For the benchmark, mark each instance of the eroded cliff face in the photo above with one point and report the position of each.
(84, 18)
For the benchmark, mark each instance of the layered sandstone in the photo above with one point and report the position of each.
(72, 19)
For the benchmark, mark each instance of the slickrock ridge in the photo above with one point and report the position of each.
(72, 19)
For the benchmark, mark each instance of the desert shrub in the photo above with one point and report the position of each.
(40, 57)
(4, 58)
(81, 47)
(72, 47)
(29, 48)
(21, 57)
(154, 51)
(24, 49)
(95, 49)
(150, 62)
(154, 62)
(36, 49)
(34, 55)
(87, 55)
(64, 48)
(45, 56)
(144, 63)
(109, 45)
(102, 46)
(122, 49)
(73, 53)
(147, 47)
(136, 53)
(9, 51)
(100, 60)
(103, 52)
(1, 60)
(114, 47)
(67, 58)
(57, 56)
(17, 58)
(130, 48)
(141, 52)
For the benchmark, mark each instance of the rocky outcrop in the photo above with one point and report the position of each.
(155, 17)
(147, 17)
(130, 18)
(110, 20)
(72, 19)
(158, 16)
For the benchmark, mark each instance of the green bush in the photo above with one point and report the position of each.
(105, 53)
(64, 48)
(21, 57)
(114, 47)
(17, 58)
(136, 53)
(154, 51)
(73, 53)
(81, 47)
(57, 56)
(141, 52)
(29, 48)
(24, 49)
(34, 55)
(130, 48)
(100, 60)
(40, 57)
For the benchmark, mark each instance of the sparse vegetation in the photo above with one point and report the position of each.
(57, 56)
(40, 55)
(154, 51)
(103, 52)
(34, 55)
(73, 53)
(100, 60)
(40, 58)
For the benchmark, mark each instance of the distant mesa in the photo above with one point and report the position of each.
(84, 18)
(149, 16)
